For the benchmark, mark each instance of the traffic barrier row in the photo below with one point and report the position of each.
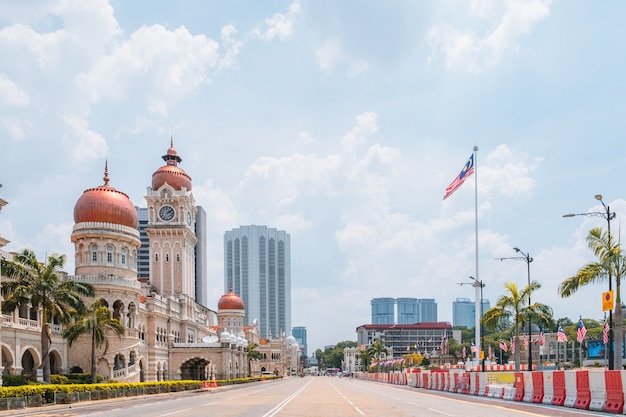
(585, 389)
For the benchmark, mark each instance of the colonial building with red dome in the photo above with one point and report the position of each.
(168, 333)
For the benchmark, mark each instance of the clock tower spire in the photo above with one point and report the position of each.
(171, 228)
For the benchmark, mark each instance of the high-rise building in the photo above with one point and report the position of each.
(383, 310)
(300, 335)
(427, 310)
(257, 267)
(464, 312)
(407, 311)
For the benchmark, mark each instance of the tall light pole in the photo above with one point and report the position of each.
(608, 216)
(478, 327)
(528, 259)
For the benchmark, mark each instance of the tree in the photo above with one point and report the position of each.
(253, 355)
(377, 348)
(365, 355)
(513, 307)
(611, 263)
(40, 286)
(97, 322)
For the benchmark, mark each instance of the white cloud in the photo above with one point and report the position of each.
(279, 25)
(366, 125)
(328, 55)
(91, 145)
(10, 93)
(469, 50)
(231, 45)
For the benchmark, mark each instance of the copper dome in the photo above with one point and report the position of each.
(230, 301)
(171, 173)
(105, 204)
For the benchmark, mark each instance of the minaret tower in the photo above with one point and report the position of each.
(170, 229)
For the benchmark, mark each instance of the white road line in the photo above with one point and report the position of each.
(175, 412)
(412, 403)
(286, 401)
(360, 412)
(440, 412)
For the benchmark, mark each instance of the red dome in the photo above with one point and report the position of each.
(230, 301)
(171, 173)
(105, 204)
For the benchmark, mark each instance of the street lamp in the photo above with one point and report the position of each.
(608, 216)
(528, 259)
(478, 327)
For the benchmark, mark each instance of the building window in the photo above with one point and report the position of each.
(109, 254)
(123, 256)
(167, 257)
(94, 253)
(156, 257)
(178, 257)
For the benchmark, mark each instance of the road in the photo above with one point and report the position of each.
(306, 397)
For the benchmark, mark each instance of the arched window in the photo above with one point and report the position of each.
(123, 256)
(94, 253)
(178, 257)
(156, 257)
(109, 254)
(167, 257)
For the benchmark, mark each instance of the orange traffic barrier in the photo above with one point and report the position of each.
(583, 392)
(519, 386)
(558, 381)
(614, 392)
(537, 387)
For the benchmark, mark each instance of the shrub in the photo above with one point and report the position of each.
(58, 379)
(16, 380)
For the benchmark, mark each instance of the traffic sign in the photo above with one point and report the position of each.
(608, 302)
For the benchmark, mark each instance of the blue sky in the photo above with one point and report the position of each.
(339, 122)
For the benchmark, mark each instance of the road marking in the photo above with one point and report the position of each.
(412, 403)
(175, 412)
(286, 401)
(360, 412)
(440, 412)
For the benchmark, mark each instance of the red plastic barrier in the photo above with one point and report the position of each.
(519, 386)
(537, 387)
(558, 382)
(464, 383)
(477, 384)
(583, 391)
(614, 392)
(425, 378)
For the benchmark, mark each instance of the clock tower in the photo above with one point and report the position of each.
(170, 228)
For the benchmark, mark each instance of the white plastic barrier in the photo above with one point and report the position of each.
(528, 387)
(482, 383)
(597, 385)
(570, 388)
(548, 387)
(453, 379)
(509, 393)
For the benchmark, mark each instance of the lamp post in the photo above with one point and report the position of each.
(528, 259)
(608, 216)
(478, 327)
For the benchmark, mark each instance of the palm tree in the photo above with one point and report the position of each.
(97, 322)
(513, 307)
(377, 348)
(611, 263)
(365, 355)
(41, 286)
(253, 355)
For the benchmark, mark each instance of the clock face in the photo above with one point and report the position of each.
(189, 218)
(166, 213)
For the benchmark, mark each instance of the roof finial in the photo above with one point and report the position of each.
(171, 140)
(106, 172)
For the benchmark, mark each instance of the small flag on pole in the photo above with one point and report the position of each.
(542, 338)
(464, 352)
(582, 331)
(512, 345)
(473, 348)
(503, 346)
(560, 335)
(605, 333)
(467, 170)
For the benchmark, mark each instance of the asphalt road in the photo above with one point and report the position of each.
(306, 397)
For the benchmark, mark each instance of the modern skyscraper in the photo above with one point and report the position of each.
(464, 310)
(407, 311)
(300, 335)
(257, 267)
(427, 308)
(383, 310)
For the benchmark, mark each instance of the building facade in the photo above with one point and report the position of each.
(383, 310)
(464, 312)
(168, 334)
(404, 310)
(299, 333)
(257, 265)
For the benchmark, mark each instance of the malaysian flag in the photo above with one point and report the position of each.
(512, 345)
(542, 338)
(605, 333)
(467, 170)
(464, 352)
(473, 347)
(582, 331)
(525, 339)
(490, 352)
(503, 346)
(561, 336)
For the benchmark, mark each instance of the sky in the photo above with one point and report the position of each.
(341, 123)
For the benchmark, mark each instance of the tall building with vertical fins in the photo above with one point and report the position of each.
(257, 267)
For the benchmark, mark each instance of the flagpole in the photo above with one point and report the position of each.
(478, 307)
